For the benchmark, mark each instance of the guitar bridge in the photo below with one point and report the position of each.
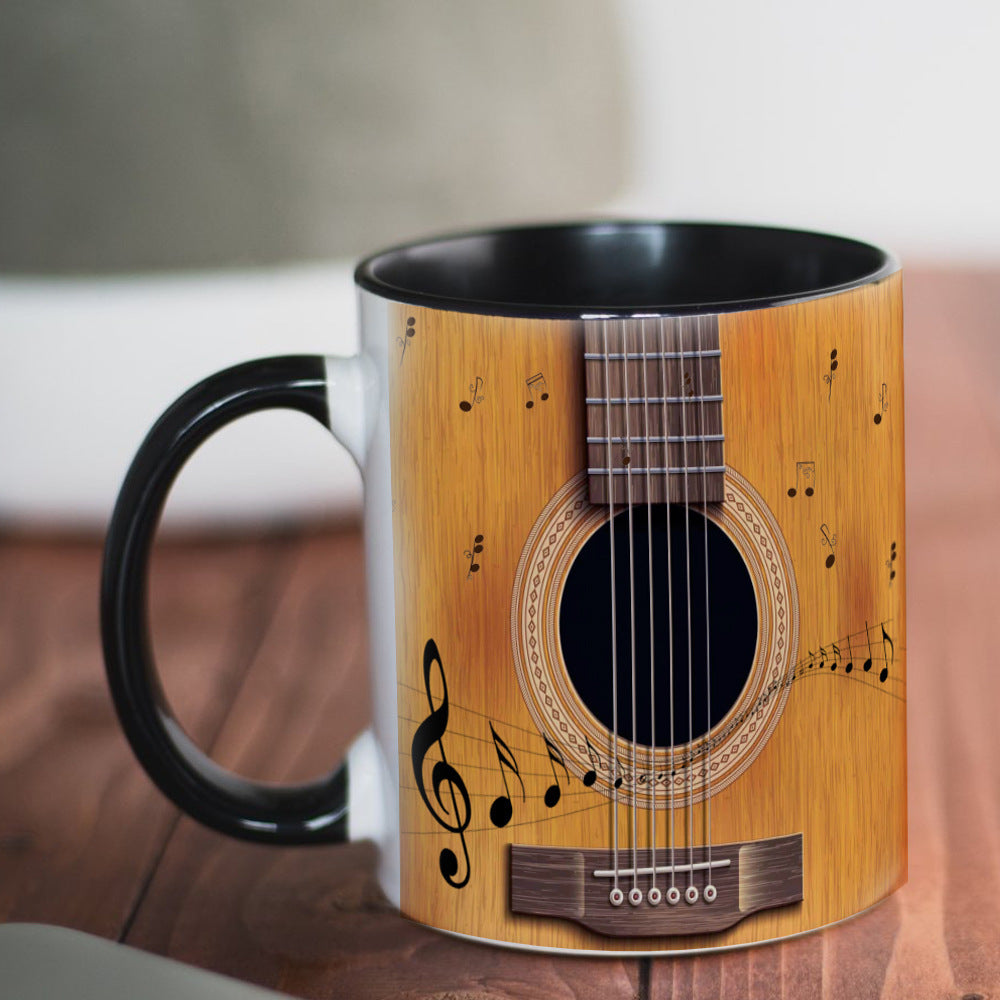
(684, 891)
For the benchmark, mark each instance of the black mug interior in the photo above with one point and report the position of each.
(621, 268)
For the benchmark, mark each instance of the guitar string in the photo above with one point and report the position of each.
(652, 631)
(702, 430)
(614, 624)
(670, 593)
(687, 601)
(631, 599)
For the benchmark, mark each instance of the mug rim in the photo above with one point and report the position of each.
(370, 273)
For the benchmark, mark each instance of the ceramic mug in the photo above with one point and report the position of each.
(634, 552)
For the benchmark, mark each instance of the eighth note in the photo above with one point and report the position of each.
(553, 792)
(883, 403)
(501, 810)
(477, 396)
(830, 540)
(892, 655)
(595, 762)
(537, 384)
(805, 479)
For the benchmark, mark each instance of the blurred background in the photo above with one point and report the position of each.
(186, 186)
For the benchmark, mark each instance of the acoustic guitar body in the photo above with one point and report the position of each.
(650, 622)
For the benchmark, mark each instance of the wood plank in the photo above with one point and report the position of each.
(82, 826)
(312, 921)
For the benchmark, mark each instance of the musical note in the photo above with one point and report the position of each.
(836, 656)
(502, 810)
(443, 776)
(805, 479)
(470, 554)
(595, 762)
(537, 384)
(883, 403)
(477, 396)
(867, 665)
(830, 540)
(832, 374)
(553, 792)
(850, 657)
(404, 341)
(892, 655)
(889, 562)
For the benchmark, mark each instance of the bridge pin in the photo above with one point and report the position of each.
(710, 893)
(635, 896)
(616, 897)
(654, 896)
(673, 895)
(691, 894)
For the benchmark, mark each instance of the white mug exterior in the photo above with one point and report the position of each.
(358, 391)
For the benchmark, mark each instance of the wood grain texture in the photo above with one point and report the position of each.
(815, 744)
(313, 922)
(81, 826)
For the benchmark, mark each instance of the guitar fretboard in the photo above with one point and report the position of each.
(654, 410)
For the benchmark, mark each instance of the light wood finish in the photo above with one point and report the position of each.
(115, 859)
(802, 383)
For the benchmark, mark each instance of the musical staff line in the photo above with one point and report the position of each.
(510, 826)
(480, 739)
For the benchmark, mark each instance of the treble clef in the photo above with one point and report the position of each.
(429, 732)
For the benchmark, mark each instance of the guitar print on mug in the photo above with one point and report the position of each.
(664, 626)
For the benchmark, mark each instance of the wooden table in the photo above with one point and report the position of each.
(262, 646)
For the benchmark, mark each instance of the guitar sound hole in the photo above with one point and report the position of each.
(585, 623)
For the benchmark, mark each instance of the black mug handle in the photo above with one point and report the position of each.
(295, 814)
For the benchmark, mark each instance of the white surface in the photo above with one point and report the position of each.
(872, 119)
(39, 962)
(86, 367)
(380, 576)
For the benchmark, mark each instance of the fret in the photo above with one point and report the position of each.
(651, 400)
(649, 440)
(658, 439)
(639, 455)
(673, 471)
(651, 355)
